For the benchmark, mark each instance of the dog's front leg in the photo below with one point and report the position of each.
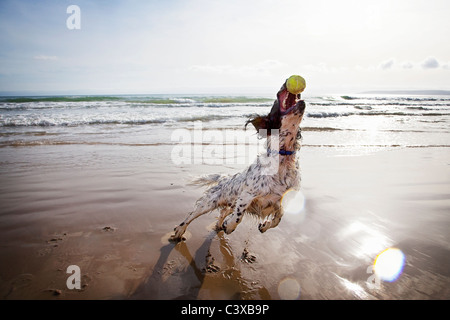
(266, 225)
(242, 203)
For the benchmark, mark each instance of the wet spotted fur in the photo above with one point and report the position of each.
(259, 188)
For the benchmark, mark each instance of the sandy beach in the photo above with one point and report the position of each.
(109, 209)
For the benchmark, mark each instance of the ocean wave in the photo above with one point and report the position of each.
(328, 114)
(34, 143)
(419, 108)
(148, 118)
(23, 107)
(219, 100)
(320, 129)
(374, 113)
(234, 99)
(149, 104)
(193, 99)
(363, 107)
(59, 99)
(349, 98)
(395, 98)
(53, 123)
(372, 104)
(33, 122)
(137, 99)
(372, 146)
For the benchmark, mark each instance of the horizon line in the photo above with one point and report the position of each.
(223, 93)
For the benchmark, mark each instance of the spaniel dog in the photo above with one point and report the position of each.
(259, 188)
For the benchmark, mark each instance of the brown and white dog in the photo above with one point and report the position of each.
(258, 189)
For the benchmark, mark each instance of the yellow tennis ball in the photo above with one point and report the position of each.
(295, 84)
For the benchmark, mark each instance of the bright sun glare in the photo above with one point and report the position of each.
(293, 202)
(389, 264)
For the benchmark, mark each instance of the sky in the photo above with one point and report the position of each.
(233, 47)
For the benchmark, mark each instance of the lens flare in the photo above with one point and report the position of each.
(289, 289)
(389, 264)
(293, 202)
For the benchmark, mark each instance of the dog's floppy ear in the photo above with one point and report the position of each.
(258, 122)
(271, 121)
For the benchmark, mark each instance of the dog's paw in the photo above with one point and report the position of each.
(263, 227)
(178, 236)
(175, 239)
(219, 227)
(223, 227)
(228, 227)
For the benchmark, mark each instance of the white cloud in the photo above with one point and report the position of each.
(430, 63)
(407, 65)
(386, 65)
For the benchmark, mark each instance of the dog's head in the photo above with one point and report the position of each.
(286, 113)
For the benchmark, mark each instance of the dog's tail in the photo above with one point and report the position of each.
(206, 180)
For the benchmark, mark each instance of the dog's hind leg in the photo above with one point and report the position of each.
(204, 205)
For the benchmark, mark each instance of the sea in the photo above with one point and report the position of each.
(354, 124)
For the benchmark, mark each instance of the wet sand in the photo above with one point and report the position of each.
(109, 209)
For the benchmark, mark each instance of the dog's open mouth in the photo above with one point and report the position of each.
(287, 101)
